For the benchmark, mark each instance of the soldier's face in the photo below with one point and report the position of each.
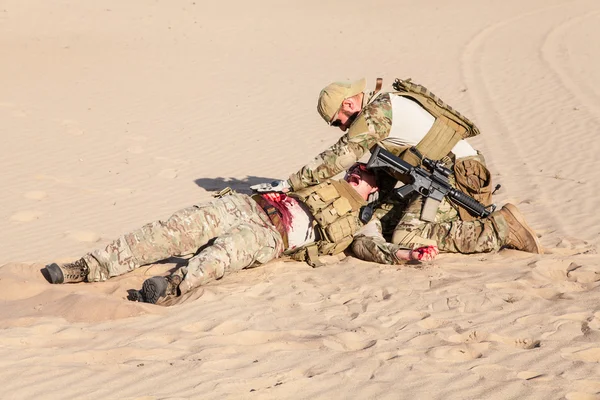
(362, 180)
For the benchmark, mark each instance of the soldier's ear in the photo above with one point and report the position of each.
(347, 105)
(354, 105)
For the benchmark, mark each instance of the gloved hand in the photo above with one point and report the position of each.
(275, 186)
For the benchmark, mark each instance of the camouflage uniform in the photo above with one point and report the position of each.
(448, 232)
(232, 233)
(371, 127)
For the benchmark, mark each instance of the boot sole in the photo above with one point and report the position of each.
(154, 288)
(516, 214)
(55, 274)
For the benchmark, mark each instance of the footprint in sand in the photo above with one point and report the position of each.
(553, 270)
(26, 216)
(480, 336)
(591, 354)
(520, 286)
(572, 246)
(456, 353)
(538, 319)
(566, 275)
(433, 323)
(581, 396)
(72, 127)
(168, 173)
(588, 334)
(404, 317)
(594, 323)
(202, 326)
(135, 149)
(14, 111)
(230, 327)
(348, 341)
(35, 195)
(587, 386)
(493, 372)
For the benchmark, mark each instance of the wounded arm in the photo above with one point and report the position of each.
(370, 245)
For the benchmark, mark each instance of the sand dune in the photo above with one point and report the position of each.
(116, 113)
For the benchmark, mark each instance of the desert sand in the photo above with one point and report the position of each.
(116, 113)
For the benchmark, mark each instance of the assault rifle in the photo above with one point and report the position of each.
(431, 185)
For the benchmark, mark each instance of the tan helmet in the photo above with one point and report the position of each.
(332, 96)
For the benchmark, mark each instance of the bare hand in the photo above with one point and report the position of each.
(275, 197)
(427, 253)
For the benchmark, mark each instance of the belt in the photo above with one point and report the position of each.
(274, 215)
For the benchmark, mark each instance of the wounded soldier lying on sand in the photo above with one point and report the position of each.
(234, 232)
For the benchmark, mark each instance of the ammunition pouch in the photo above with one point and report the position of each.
(473, 178)
(335, 206)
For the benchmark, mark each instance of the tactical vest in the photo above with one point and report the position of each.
(335, 206)
(449, 127)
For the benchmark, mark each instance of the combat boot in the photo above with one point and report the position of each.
(156, 287)
(68, 273)
(520, 235)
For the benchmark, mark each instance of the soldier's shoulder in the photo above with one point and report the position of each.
(379, 107)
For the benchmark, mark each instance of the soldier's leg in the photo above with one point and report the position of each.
(448, 232)
(504, 228)
(243, 246)
(409, 230)
(183, 233)
(478, 236)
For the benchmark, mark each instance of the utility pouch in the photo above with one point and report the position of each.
(474, 179)
(308, 253)
(335, 206)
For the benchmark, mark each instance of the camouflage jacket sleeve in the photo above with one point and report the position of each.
(370, 245)
(370, 127)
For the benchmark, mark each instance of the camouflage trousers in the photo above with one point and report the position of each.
(230, 233)
(448, 231)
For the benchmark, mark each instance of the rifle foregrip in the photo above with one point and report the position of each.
(472, 205)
